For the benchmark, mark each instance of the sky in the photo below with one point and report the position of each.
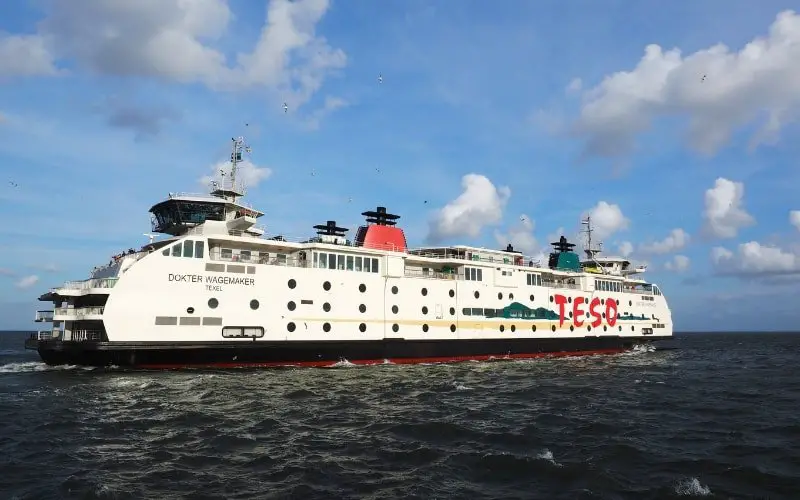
(673, 124)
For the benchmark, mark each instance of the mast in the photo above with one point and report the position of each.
(238, 146)
(590, 252)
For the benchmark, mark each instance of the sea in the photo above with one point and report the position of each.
(716, 416)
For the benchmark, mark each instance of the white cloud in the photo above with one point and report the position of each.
(678, 263)
(25, 55)
(479, 205)
(625, 248)
(28, 281)
(247, 173)
(172, 40)
(794, 218)
(575, 85)
(677, 239)
(724, 213)
(520, 236)
(716, 89)
(753, 258)
(607, 219)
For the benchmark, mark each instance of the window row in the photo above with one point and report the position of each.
(251, 256)
(473, 274)
(607, 286)
(186, 248)
(534, 279)
(342, 262)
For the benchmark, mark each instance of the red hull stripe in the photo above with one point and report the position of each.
(397, 361)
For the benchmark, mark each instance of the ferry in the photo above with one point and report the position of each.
(218, 291)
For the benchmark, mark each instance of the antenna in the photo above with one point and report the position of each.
(591, 252)
(220, 190)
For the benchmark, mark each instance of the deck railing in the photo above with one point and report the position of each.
(79, 311)
(90, 283)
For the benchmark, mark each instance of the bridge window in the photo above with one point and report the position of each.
(349, 262)
(244, 255)
(359, 264)
(176, 250)
(473, 274)
(534, 279)
(198, 249)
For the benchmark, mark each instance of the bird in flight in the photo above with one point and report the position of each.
(285, 108)
(380, 78)
(13, 184)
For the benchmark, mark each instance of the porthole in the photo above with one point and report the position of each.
(292, 283)
(533, 328)
(510, 296)
(531, 298)
(630, 303)
(513, 328)
(453, 328)
(502, 328)
(452, 293)
(572, 328)
(395, 328)
(588, 328)
(424, 309)
(326, 327)
(452, 311)
(326, 286)
(362, 288)
(551, 300)
(605, 328)
(425, 327)
(553, 328)
(362, 308)
(500, 295)
(213, 303)
(362, 327)
(254, 304)
(632, 328)
(190, 310)
(570, 314)
(424, 292)
(602, 302)
(395, 309)
(291, 327)
(326, 307)
(620, 327)
(604, 315)
(394, 290)
(477, 294)
(291, 305)
(569, 299)
(617, 301)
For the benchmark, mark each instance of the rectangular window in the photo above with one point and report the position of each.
(314, 258)
(477, 311)
(358, 264)
(529, 279)
(349, 262)
(374, 265)
(467, 274)
(188, 248)
(198, 249)
(331, 261)
(340, 262)
(176, 250)
(480, 274)
(367, 264)
(244, 255)
(165, 252)
(465, 311)
(323, 260)
(226, 254)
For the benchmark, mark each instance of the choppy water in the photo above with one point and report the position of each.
(718, 418)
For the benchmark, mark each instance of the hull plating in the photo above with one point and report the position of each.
(298, 353)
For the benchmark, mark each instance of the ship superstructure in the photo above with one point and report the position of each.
(218, 292)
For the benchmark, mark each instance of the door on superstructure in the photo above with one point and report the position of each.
(439, 313)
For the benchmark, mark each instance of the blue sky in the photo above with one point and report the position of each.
(494, 121)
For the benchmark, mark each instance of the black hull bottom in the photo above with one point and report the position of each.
(167, 355)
